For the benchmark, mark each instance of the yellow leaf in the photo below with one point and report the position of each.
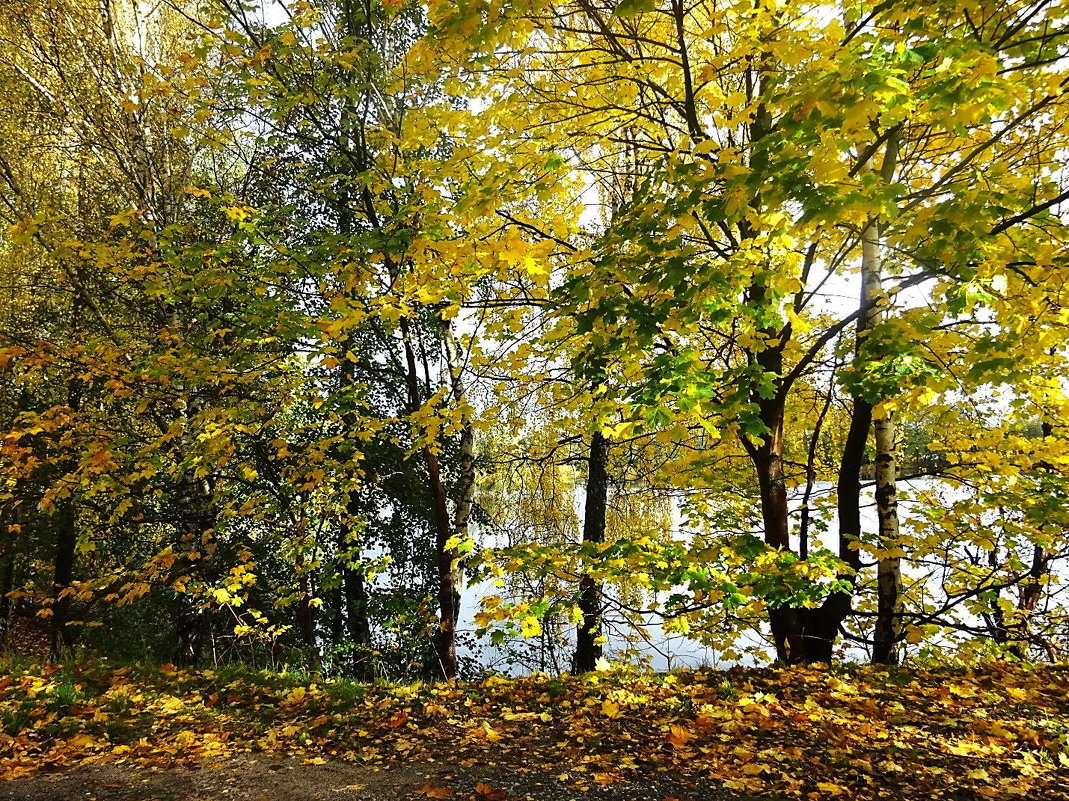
(610, 709)
(80, 741)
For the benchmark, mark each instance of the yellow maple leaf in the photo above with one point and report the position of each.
(530, 627)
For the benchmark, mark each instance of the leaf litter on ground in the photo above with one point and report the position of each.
(993, 731)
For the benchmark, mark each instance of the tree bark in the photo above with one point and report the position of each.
(188, 632)
(66, 529)
(588, 648)
(786, 622)
(811, 470)
(451, 576)
(1032, 588)
(7, 584)
(306, 618)
(62, 576)
(198, 545)
(357, 623)
(448, 597)
(888, 631)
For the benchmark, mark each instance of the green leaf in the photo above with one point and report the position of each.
(630, 8)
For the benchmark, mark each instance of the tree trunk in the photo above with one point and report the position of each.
(188, 632)
(888, 632)
(66, 528)
(786, 622)
(7, 584)
(451, 577)
(357, 623)
(448, 597)
(1032, 588)
(199, 546)
(838, 606)
(351, 606)
(800, 635)
(588, 649)
(62, 576)
(305, 610)
(888, 629)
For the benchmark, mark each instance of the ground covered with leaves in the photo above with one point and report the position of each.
(81, 731)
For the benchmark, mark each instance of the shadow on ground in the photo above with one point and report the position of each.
(259, 778)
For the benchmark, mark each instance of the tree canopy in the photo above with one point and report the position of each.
(382, 336)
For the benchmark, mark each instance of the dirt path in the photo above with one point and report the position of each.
(258, 778)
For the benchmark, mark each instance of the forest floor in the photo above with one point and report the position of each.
(90, 731)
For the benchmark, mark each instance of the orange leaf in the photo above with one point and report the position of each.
(398, 719)
(678, 736)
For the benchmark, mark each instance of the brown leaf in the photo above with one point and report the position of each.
(487, 792)
(430, 791)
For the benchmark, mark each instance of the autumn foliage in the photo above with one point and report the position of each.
(418, 340)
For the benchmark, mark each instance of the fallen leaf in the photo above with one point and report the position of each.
(430, 791)
(610, 709)
(678, 736)
(487, 792)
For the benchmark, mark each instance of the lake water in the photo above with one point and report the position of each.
(648, 642)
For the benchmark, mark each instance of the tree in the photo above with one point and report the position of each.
(700, 301)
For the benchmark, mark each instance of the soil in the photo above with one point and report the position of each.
(261, 778)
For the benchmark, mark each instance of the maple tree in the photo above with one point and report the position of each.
(114, 449)
(788, 148)
(633, 307)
